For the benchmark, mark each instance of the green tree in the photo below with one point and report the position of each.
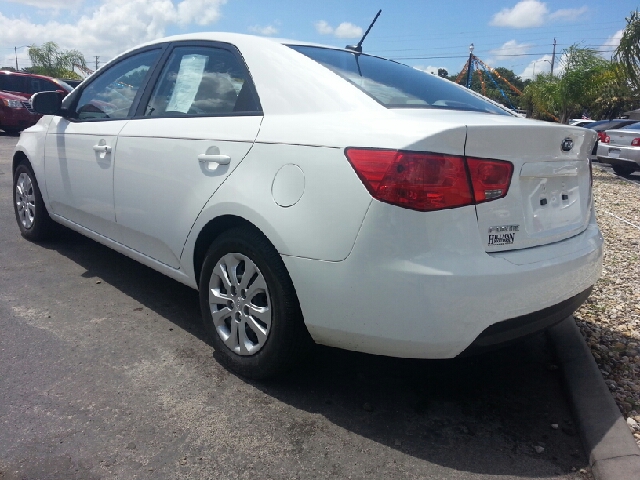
(48, 59)
(615, 93)
(577, 87)
(628, 51)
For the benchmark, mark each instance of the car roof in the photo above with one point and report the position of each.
(287, 82)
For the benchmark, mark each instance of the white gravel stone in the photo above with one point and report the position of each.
(610, 318)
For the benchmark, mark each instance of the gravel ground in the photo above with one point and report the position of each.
(610, 318)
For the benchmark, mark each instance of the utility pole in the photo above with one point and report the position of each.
(97, 61)
(553, 57)
(15, 51)
(469, 66)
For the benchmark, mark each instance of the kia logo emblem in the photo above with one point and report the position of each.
(567, 144)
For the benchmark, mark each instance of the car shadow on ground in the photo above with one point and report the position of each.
(7, 134)
(461, 413)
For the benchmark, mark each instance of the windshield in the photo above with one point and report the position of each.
(632, 126)
(395, 85)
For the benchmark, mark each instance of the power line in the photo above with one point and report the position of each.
(500, 55)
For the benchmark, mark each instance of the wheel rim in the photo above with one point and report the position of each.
(25, 200)
(240, 304)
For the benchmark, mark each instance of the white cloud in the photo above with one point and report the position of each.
(267, 31)
(429, 69)
(323, 28)
(509, 49)
(613, 41)
(51, 4)
(533, 13)
(348, 30)
(568, 13)
(344, 30)
(113, 26)
(539, 66)
(528, 13)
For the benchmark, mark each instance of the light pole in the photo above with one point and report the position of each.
(534, 65)
(469, 66)
(15, 50)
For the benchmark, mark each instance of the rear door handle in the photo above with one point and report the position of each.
(102, 148)
(221, 159)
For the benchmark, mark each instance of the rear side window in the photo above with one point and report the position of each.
(41, 85)
(395, 85)
(202, 81)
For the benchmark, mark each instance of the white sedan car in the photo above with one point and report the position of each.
(318, 193)
(621, 149)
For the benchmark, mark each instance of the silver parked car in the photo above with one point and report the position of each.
(621, 149)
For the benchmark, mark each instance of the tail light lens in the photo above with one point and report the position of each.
(635, 142)
(601, 136)
(606, 138)
(490, 178)
(429, 181)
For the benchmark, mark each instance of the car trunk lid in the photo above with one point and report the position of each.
(623, 138)
(549, 198)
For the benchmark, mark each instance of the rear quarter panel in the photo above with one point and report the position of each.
(322, 224)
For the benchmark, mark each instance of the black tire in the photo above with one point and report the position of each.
(287, 339)
(31, 214)
(622, 170)
(11, 130)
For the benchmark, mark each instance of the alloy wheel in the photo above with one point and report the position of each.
(25, 200)
(240, 304)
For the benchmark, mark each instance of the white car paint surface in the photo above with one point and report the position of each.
(369, 275)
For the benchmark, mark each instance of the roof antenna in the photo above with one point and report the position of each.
(358, 48)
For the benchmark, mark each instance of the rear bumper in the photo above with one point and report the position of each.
(422, 286)
(620, 162)
(520, 327)
(625, 156)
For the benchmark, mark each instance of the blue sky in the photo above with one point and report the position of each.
(425, 34)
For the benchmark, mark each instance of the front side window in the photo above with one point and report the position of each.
(111, 95)
(202, 81)
(395, 85)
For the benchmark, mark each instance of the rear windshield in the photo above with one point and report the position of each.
(395, 85)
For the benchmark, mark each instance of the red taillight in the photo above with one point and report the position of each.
(635, 142)
(429, 181)
(601, 136)
(606, 138)
(490, 178)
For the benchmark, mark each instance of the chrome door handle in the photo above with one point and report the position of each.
(221, 159)
(102, 148)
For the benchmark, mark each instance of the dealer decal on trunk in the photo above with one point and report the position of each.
(503, 234)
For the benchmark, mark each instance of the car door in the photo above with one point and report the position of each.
(80, 148)
(199, 121)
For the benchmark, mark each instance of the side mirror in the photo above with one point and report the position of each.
(46, 103)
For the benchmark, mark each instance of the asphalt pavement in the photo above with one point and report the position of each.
(106, 373)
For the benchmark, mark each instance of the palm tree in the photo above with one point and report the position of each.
(628, 51)
(49, 60)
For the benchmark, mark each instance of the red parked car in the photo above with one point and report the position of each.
(16, 89)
